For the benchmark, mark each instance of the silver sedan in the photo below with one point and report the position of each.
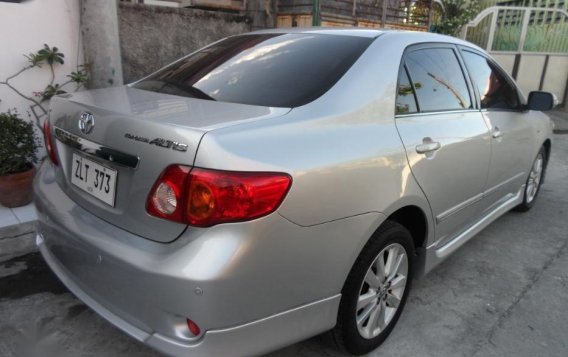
(276, 185)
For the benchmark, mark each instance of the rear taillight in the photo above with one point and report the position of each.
(220, 196)
(49, 145)
(204, 198)
(168, 194)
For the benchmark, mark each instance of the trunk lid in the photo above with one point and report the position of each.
(136, 134)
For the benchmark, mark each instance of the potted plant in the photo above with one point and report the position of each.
(18, 147)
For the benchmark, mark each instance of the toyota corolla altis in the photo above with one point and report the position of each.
(279, 184)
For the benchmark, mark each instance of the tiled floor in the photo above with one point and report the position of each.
(12, 216)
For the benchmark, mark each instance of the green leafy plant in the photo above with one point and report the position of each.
(51, 57)
(456, 13)
(18, 144)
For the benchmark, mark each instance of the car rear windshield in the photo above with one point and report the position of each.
(276, 70)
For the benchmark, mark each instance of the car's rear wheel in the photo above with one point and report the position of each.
(532, 186)
(376, 290)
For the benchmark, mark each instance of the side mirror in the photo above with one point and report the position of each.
(540, 101)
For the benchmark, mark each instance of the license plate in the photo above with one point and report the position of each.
(95, 179)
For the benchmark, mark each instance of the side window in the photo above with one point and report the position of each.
(405, 101)
(439, 81)
(495, 91)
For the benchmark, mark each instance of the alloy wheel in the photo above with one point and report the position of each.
(535, 177)
(382, 291)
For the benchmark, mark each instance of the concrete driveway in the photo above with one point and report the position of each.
(505, 293)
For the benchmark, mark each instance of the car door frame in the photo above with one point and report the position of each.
(442, 235)
(512, 183)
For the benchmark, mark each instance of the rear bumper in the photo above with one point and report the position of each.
(268, 282)
(261, 336)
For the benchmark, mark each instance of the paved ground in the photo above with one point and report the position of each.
(560, 119)
(503, 294)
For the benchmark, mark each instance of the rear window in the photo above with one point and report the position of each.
(438, 80)
(276, 70)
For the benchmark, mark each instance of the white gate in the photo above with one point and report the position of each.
(529, 42)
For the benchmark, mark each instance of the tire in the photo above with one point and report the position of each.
(534, 181)
(390, 240)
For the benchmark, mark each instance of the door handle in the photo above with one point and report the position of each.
(496, 133)
(428, 146)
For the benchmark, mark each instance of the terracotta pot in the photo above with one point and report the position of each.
(16, 189)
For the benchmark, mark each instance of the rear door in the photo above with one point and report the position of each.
(446, 139)
(511, 131)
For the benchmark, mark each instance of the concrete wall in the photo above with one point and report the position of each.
(534, 68)
(556, 77)
(152, 36)
(530, 72)
(506, 61)
(24, 28)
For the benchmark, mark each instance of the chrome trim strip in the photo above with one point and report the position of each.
(421, 114)
(444, 215)
(92, 148)
(501, 184)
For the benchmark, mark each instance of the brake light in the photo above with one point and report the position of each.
(205, 198)
(49, 145)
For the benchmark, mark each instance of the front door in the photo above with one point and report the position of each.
(511, 132)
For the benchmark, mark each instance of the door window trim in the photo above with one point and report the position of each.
(469, 84)
(502, 72)
(407, 73)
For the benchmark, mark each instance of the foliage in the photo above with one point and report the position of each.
(51, 57)
(456, 14)
(18, 144)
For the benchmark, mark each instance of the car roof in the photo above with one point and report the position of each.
(346, 31)
(404, 35)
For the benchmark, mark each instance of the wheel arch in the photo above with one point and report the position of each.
(414, 219)
(415, 216)
(547, 149)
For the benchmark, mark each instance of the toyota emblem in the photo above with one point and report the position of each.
(86, 122)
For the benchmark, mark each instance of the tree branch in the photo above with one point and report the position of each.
(24, 96)
(52, 74)
(18, 73)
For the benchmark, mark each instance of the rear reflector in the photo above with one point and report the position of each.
(193, 328)
(204, 198)
(49, 145)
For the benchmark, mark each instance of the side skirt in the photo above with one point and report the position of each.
(436, 253)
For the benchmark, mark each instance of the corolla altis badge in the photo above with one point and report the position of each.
(86, 122)
(160, 142)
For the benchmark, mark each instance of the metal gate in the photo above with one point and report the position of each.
(530, 42)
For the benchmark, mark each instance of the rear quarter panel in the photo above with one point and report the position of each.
(343, 150)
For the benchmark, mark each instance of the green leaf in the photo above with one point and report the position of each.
(18, 144)
(49, 55)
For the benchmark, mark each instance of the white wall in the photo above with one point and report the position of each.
(24, 28)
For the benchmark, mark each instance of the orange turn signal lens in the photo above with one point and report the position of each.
(201, 201)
